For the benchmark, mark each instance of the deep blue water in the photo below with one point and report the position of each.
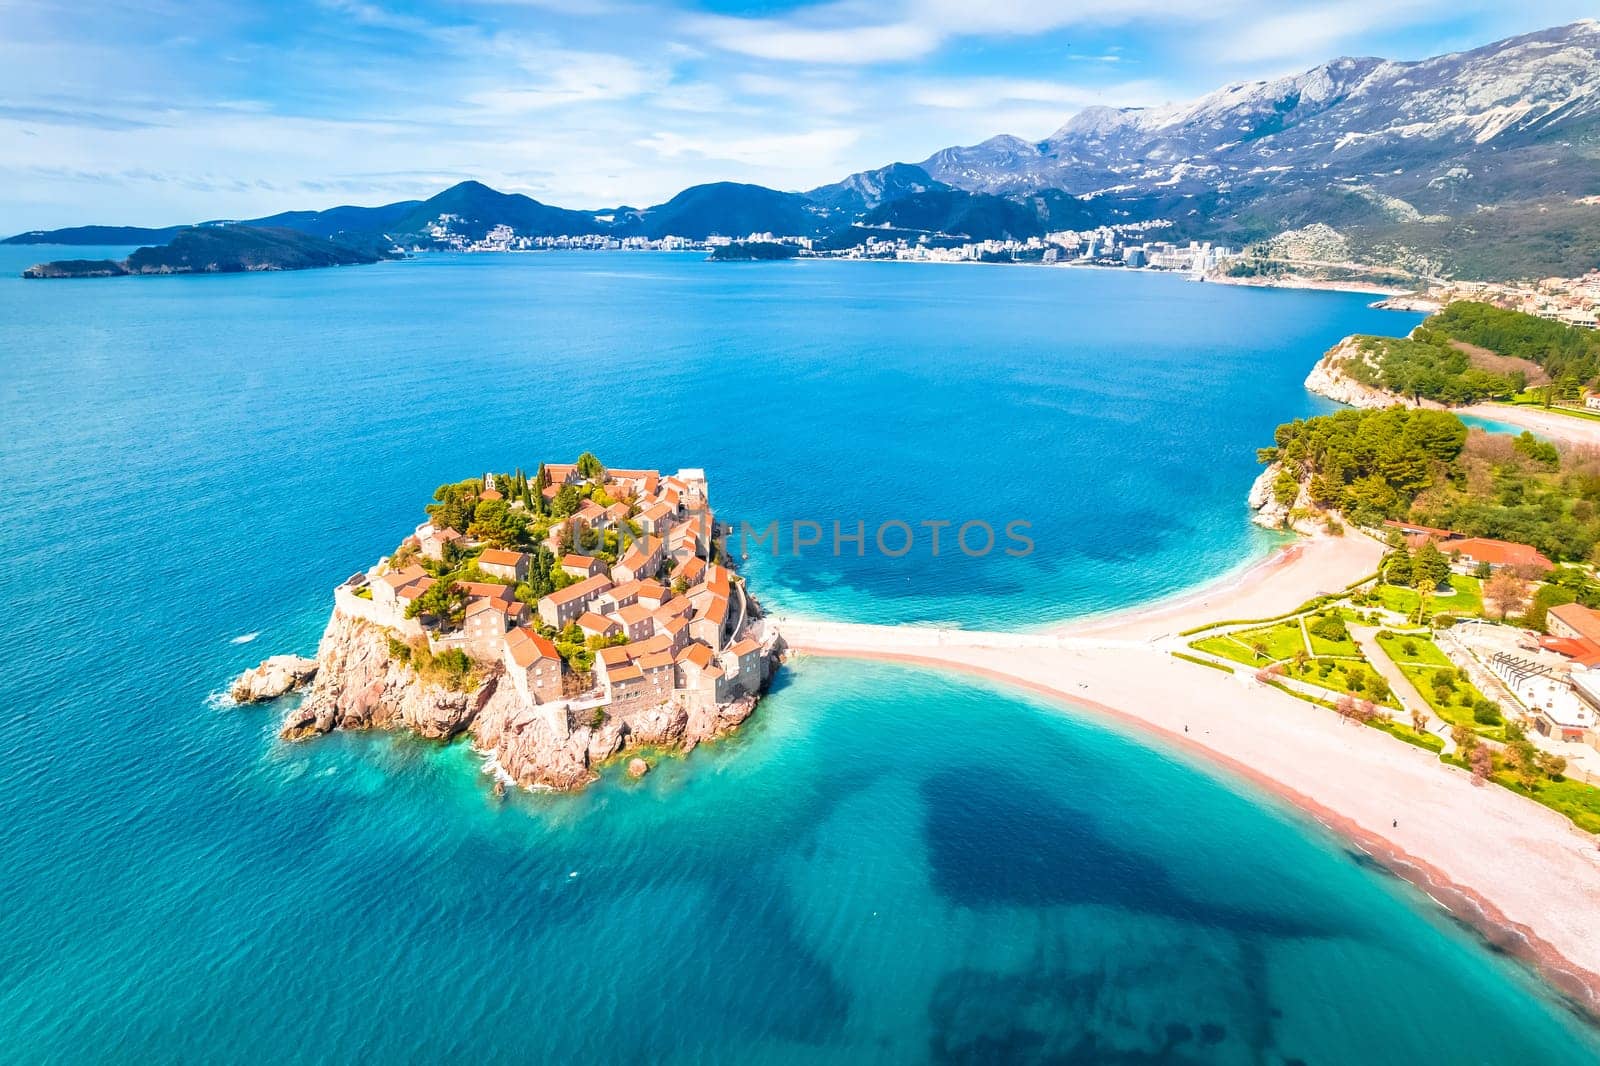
(888, 864)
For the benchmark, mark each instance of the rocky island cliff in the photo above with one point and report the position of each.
(360, 684)
(587, 638)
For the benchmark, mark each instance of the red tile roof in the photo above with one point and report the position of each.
(501, 557)
(634, 614)
(527, 647)
(1580, 618)
(597, 623)
(415, 588)
(1500, 553)
(1584, 652)
(616, 656)
(659, 642)
(697, 653)
(589, 586)
(399, 579)
(488, 590)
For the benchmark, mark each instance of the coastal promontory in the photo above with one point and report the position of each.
(1464, 354)
(557, 621)
(223, 250)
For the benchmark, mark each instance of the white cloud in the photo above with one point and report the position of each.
(753, 149)
(849, 32)
(1311, 35)
(786, 40)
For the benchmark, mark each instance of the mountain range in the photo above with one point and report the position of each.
(1483, 163)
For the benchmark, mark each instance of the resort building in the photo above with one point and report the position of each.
(641, 560)
(508, 565)
(582, 565)
(1575, 621)
(601, 626)
(432, 542)
(534, 666)
(562, 607)
(1472, 552)
(637, 621)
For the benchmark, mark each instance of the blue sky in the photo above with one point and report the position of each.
(161, 111)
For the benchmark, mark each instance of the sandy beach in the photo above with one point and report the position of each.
(1563, 429)
(1291, 575)
(1519, 872)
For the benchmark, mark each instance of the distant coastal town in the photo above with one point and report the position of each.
(560, 619)
(1128, 245)
(1134, 246)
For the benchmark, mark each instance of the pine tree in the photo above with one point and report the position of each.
(1429, 568)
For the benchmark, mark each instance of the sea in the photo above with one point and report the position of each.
(888, 864)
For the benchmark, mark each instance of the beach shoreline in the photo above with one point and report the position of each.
(1286, 577)
(1317, 284)
(1533, 895)
(1560, 428)
(1577, 985)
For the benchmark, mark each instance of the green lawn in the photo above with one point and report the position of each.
(1456, 706)
(1576, 800)
(1407, 734)
(1334, 675)
(1403, 648)
(1280, 641)
(1466, 601)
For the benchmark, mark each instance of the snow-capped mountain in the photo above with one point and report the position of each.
(1442, 129)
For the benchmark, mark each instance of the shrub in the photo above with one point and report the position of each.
(1486, 712)
(1330, 628)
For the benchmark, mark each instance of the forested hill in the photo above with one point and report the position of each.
(1425, 466)
(222, 250)
(1470, 352)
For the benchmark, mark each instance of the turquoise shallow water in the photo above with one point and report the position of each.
(887, 865)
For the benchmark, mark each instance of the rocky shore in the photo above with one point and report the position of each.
(1328, 379)
(360, 684)
(273, 678)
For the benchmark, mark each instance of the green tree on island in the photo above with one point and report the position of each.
(566, 501)
(589, 467)
(445, 601)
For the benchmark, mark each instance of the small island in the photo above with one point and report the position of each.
(223, 250)
(751, 251)
(560, 621)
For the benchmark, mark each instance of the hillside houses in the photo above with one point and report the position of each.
(643, 617)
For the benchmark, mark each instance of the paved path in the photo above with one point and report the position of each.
(1403, 689)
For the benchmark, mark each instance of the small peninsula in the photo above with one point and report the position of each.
(559, 621)
(1466, 353)
(223, 250)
